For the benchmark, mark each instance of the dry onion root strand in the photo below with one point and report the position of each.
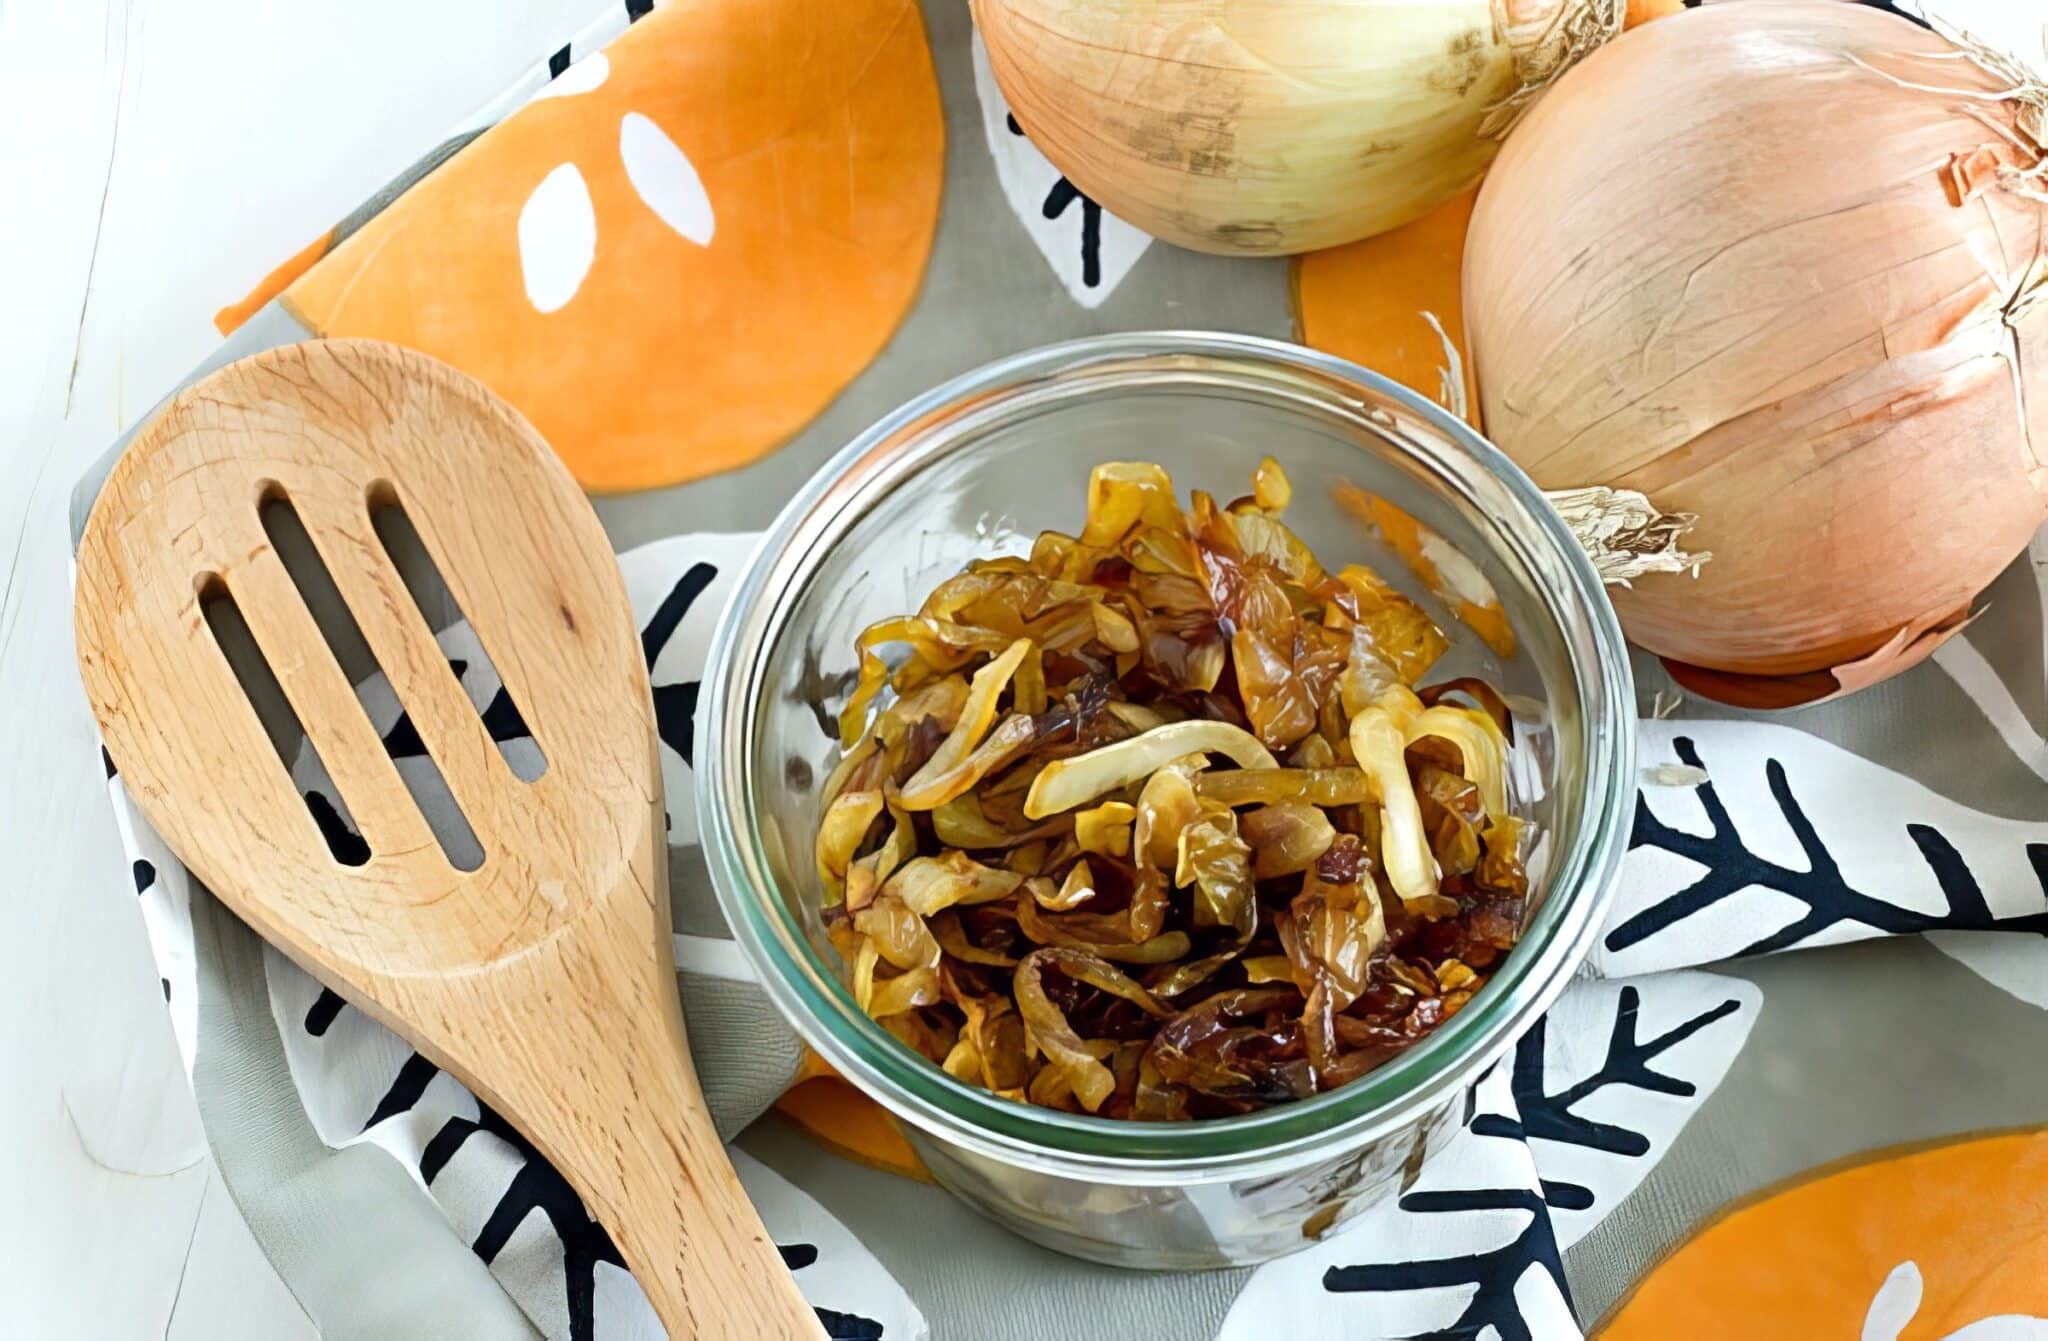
(2014, 84)
(1570, 34)
(1626, 535)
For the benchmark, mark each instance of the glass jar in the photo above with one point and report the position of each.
(980, 466)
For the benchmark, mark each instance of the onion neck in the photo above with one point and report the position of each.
(1546, 38)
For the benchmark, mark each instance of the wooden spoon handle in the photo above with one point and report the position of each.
(685, 1225)
(607, 1093)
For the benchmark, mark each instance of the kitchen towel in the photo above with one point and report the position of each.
(609, 197)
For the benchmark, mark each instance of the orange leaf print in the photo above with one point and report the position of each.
(1945, 1242)
(1642, 11)
(683, 248)
(1372, 302)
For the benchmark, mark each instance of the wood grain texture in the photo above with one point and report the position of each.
(543, 979)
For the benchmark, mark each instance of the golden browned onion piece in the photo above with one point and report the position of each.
(1160, 823)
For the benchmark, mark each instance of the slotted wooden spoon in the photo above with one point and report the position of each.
(544, 978)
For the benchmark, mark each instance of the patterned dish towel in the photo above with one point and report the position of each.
(701, 245)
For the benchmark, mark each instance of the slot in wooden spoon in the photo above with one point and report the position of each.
(543, 979)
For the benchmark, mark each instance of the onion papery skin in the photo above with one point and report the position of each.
(1724, 262)
(1268, 127)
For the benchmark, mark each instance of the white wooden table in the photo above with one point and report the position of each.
(156, 158)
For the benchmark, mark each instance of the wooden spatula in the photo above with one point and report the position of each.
(543, 978)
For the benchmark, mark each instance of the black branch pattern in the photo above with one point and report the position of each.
(1730, 867)
(1494, 1273)
(1063, 195)
(1541, 1113)
(1547, 1115)
(536, 1186)
(675, 705)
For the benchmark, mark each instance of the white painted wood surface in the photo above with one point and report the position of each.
(156, 158)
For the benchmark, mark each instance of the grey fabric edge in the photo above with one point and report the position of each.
(270, 327)
(973, 1278)
(329, 1220)
(413, 175)
(742, 1050)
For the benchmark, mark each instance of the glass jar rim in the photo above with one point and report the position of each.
(817, 1002)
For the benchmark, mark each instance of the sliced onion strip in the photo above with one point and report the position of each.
(1066, 783)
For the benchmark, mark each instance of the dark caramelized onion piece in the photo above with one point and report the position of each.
(1052, 876)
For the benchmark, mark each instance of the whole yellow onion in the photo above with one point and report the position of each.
(1263, 127)
(1782, 264)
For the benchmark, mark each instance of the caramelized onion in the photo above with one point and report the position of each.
(1286, 837)
(1066, 783)
(1092, 1081)
(1066, 864)
(928, 884)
